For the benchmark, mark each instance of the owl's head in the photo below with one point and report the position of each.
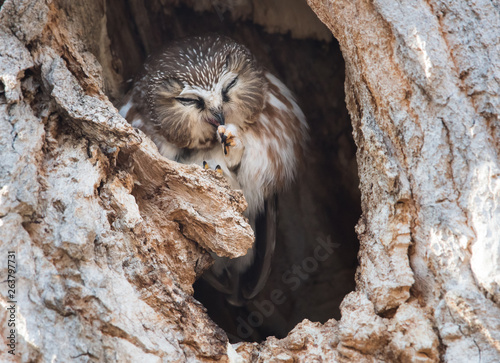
(199, 83)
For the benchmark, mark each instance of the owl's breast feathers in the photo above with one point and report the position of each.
(274, 145)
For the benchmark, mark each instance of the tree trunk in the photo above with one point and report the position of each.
(108, 237)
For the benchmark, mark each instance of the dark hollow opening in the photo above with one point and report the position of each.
(316, 253)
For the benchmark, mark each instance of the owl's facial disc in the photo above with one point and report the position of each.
(211, 102)
(209, 110)
(218, 98)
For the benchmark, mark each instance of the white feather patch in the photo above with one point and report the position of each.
(126, 108)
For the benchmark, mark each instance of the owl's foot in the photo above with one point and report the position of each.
(218, 169)
(231, 144)
(227, 138)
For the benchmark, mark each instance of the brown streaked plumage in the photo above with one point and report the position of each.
(206, 99)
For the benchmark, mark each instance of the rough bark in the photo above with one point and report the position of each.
(109, 236)
(422, 83)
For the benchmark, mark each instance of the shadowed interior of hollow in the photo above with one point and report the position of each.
(316, 254)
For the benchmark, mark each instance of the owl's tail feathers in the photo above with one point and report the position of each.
(255, 278)
(242, 278)
(227, 281)
(225, 275)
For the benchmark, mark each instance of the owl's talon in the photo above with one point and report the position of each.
(221, 130)
(218, 168)
(227, 138)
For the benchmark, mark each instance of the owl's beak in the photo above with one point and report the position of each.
(219, 116)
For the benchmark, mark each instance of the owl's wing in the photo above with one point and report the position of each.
(242, 278)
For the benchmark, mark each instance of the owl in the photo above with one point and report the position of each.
(206, 100)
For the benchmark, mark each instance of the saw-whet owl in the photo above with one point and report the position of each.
(206, 100)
